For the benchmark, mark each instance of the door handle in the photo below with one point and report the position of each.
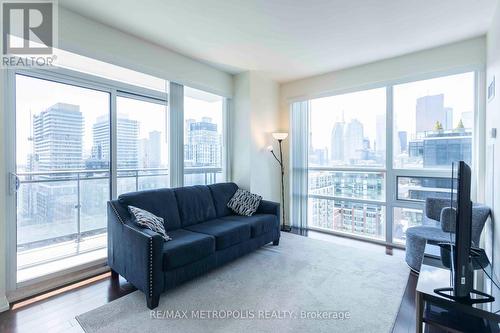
(14, 183)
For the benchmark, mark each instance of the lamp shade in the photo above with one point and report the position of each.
(280, 135)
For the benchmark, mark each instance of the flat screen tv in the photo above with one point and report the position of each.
(461, 255)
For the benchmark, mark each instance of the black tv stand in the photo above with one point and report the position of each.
(448, 293)
(439, 310)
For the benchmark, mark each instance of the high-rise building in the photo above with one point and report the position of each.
(57, 146)
(203, 143)
(127, 130)
(354, 138)
(150, 150)
(380, 133)
(442, 148)
(57, 138)
(337, 141)
(429, 110)
(341, 215)
(403, 141)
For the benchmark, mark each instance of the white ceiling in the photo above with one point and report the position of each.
(291, 39)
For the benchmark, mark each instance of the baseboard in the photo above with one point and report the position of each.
(57, 282)
(4, 304)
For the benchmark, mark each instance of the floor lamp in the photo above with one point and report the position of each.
(280, 136)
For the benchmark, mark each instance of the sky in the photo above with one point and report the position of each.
(35, 95)
(366, 105)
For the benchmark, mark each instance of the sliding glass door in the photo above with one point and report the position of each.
(84, 134)
(63, 182)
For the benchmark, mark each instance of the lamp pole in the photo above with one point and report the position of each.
(284, 226)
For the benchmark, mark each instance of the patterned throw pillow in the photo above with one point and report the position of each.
(244, 203)
(147, 220)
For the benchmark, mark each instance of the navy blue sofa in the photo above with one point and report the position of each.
(205, 234)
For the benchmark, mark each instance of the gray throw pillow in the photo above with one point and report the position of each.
(244, 203)
(148, 220)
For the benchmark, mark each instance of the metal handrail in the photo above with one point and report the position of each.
(79, 175)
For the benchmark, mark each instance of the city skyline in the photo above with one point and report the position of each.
(369, 106)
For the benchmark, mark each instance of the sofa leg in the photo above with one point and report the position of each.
(153, 301)
(114, 275)
(276, 242)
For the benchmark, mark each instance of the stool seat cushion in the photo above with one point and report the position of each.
(433, 235)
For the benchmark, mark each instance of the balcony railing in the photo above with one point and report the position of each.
(70, 205)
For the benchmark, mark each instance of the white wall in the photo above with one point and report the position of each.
(89, 38)
(255, 116)
(493, 146)
(83, 36)
(465, 54)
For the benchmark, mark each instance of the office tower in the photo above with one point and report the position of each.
(354, 137)
(150, 150)
(380, 133)
(337, 142)
(429, 110)
(403, 141)
(57, 146)
(442, 149)
(57, 137)
(127, 132)
(202, 147)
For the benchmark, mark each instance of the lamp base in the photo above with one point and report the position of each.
(286, 228)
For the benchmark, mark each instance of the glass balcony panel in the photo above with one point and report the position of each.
(403, 219)
(421, 188)
(347, 184)
(359, 219)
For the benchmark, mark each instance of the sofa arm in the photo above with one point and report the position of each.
(136, 254)
(270, 207)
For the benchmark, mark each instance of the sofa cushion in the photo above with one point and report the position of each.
(244, 203)
(195, 204)
(160, 202)
(145, 219)
(226, 233)
(222, 193)
(186, 247)
(259, 223)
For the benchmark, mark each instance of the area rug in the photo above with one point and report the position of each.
(302, 285)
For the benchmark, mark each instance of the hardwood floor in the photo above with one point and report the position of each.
(55, 311)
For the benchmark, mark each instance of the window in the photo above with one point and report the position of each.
(142, 153)
(347, 135)
(348, 130)
(340, 140)
(420, 188)
(433, 122)
(63, 188)
(203, 137)
(84, 134)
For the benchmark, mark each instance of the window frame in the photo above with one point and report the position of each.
(81, 80)
(115, 89)
(391, 174)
